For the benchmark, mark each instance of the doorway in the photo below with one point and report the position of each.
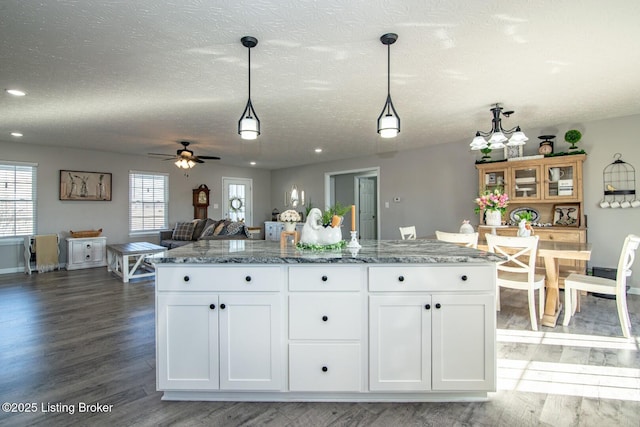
(358, 187)
(237, 199)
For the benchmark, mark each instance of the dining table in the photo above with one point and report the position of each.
(552, 252)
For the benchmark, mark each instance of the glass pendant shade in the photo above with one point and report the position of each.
(518, 138)
(388, 126)
(249, 128)
(478, 143)
(249, 123)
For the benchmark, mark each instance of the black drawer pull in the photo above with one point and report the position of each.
(438, 305)
(222, 306)
(427, 306)
(247, 279)
(185, 278)
(464, 277)
(401, 278)
(325, 369)
(325, 278)
(325, 318)
(212, 306)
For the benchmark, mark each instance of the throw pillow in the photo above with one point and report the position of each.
(220, 227)
(235, 228)
(183, 231)
(199, 227)
(208, 229)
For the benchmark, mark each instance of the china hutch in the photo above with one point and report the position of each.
(552, 188)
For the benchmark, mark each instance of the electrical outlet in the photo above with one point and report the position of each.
(386, 205)
(215, 206)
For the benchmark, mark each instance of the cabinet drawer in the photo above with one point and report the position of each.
(325, 367)
(557, 236)
(327, 278)
(218, 278)
(318, 316)
(433, 278)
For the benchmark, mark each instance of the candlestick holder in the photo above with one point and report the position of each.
(353, 243)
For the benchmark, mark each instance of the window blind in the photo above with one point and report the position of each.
(17, 199)
(148, 201)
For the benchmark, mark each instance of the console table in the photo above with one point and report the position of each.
(126, 259)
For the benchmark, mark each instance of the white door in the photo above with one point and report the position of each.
(187, 361)
(237, 199)
(367, 207)
(463, 325)
(400, 346)
(250, 353)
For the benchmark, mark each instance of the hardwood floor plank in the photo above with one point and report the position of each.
(84, 336)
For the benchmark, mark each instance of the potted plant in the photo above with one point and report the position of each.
(494, 203)
(572, 137)
(524, 227)
(333, 216)
(290, 217)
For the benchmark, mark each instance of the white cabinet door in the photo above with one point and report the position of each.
(250, 342)
(187, 342)
(463, 340)
(400, 343)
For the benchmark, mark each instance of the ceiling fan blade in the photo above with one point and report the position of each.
(196, 159)
(209, 157)
(162, 155)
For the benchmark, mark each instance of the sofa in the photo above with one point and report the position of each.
(203, 229)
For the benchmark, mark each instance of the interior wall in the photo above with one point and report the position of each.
(436, 186)
(55, 216)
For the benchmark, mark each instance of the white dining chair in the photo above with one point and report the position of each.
(408, 233)
(601, 285)
(470, 240)
(518, 271)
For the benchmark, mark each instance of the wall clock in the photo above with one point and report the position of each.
(200, 202)
(512, 152)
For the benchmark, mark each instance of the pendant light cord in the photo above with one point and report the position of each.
(388, 77)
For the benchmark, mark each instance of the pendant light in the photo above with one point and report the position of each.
(388, 120)
(249, 124)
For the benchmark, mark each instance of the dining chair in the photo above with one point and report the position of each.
(408, 233)
(518, 271)
(617, 287)
(470, 240)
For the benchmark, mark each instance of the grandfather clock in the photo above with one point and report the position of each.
(200, 202)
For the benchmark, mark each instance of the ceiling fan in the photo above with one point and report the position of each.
(184, 158)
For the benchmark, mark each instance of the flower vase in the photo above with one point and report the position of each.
(289, 226)
(493, 218)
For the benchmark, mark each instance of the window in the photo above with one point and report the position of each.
(148, 201)
(17, 199)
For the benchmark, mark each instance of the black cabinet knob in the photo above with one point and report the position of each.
(464, 278)
(325, 369)
(185, 278)
(427, 306)
(87, 256)
(325, 318)
(212, 306)
(401, 278)
(222, 306)
(88, 246)
(438, 305)
(247, 279)
(325, 278)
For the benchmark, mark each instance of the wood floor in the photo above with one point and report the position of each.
(68, 338)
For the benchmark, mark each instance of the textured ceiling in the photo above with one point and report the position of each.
(136, 76)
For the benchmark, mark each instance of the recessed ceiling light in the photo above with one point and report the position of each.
(318, 150)
(252, 163)
(16, 134)
(15, 92)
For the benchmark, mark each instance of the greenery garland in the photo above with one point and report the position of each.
(341, 244)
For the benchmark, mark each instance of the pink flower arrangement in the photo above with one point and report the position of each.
(495, 200)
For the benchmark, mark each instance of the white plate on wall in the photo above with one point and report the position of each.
(536, 214)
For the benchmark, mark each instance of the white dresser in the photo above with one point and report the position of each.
(86, 252)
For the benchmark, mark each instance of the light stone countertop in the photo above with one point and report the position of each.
(421, 251)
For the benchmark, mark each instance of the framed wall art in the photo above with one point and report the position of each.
(85, 186)
(566, 215)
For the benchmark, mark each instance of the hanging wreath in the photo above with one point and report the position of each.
(235, 204)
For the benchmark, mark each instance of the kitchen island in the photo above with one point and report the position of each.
(393, 321)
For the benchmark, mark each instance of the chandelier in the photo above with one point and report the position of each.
(498, 135)
(389, 123)
(249, 124)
